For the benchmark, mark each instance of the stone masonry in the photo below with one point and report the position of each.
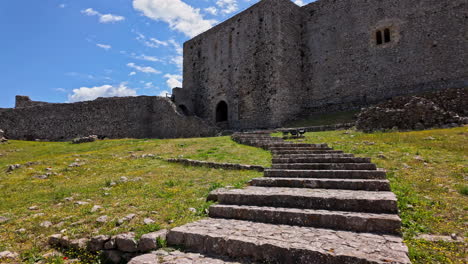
(118, 117)
(277, 61)
(315, 205)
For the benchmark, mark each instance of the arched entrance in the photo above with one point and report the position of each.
(221, 112)
(184, 110)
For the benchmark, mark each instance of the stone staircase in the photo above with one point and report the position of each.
(315, 205)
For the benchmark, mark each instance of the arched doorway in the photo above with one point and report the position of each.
(221, 112)
(184, 110)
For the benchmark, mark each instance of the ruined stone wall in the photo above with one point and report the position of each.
(122, 117)
(252, 62)
(345, 68)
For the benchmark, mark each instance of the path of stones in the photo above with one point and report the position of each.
(315, 205)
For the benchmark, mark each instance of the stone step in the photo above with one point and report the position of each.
(282, 244)
(323, 183)
(300, 156)
(276, 148)
(301, 145)
(322, 160)
(281, 152)
(326, 199)
(347, 221)
(330, 174)
(325, 166)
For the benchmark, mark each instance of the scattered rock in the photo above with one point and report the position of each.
(436, 238)
(123, 179)
(193, 210)
(149, 241)
(33, 208)
(102, 219)
(126, 242)
(46, 224)
(8, 255)
(145, 259)
(97, 243)
(87, 139)
(68, 199)
(127, 218)
(429, 138)
(112, 256)
(418, 158)
(4, 219)
(110, 244)
(81, 203)
(381, 156)
(406, 166)
(21, 230)
(41, 177)
(148, 221)
(75, 164)
(79, 244)
(96, 208)
(13, 167)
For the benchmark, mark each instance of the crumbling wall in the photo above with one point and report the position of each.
(252, 62)
(118, 117)
(346, 69)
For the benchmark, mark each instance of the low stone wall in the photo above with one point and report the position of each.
(118, 117)
(227, 166)
(114, 249)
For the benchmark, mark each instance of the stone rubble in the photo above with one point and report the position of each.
(439, 109)
(87, 139)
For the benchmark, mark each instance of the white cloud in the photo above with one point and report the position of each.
(144, 69)
(173, 80)
(163, 93)
(152, 42)
(132, 73)
(227, 6)
(299, 2)
(103, 18)
(211, 10)
(86, 94)
(178, 48)
(147, 58)
(104, 46)
(179, 15)
(62, 90)
(178, 60)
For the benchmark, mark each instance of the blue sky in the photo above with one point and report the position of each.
(75, 50)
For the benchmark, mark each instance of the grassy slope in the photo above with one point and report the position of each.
(430, 194)
(429, 178)
(165, 194)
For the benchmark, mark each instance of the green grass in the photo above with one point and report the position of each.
(165, 192)
(428, 171)
(325, 119)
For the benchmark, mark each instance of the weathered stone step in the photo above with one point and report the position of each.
(322, 160)
(327, 199)
(321, 183)
(282, 244)
(325, 166)
(347, 221)
(280, 152)
(300, 145)
(294, 156)
(276, 148)
(331, 174)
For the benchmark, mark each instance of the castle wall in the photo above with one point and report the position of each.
(252, 62)
(345, 68)
(118, 117)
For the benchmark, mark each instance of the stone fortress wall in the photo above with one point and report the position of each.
(117, 117)
(277, 61)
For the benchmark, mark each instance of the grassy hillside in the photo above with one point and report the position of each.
(167, 193)
(427, 169)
